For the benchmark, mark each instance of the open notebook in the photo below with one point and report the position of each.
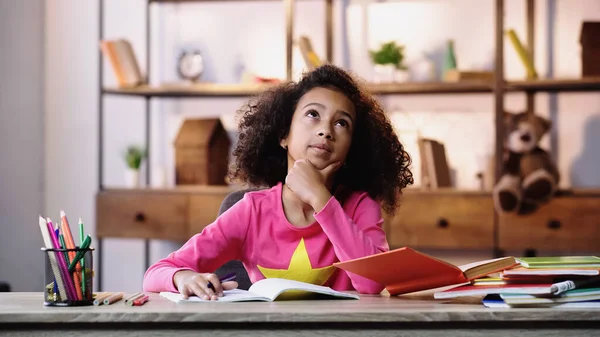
(268, 290)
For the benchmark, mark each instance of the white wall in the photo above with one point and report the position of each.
(21, 139)
(71, 87)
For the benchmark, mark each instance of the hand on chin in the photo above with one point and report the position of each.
(307, 181)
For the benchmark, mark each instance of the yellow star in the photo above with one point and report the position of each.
(300, 269)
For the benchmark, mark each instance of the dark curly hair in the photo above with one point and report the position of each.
(376, 163)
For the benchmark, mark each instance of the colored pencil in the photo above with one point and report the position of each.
(62, 266)
(113, 298)
(141, 300)
(70, 244)
(52, 257)
(129, 300)
(99, 300)
(81, 239)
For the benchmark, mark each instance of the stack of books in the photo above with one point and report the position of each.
(561, 281)
(564, 281)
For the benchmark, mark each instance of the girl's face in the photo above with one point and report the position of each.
(321, 129)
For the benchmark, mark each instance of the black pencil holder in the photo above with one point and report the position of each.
(64, 286)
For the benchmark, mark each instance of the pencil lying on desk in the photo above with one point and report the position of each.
(129, 300)
(101, 297)
(141, 300)
(113, 298)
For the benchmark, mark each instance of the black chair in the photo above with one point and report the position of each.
(234, 266)
(4, 287)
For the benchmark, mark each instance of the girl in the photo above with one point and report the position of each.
(330, 161)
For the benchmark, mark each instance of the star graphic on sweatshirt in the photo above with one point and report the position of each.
(300, 268)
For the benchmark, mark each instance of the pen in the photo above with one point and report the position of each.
(226, 278)
(561, 287)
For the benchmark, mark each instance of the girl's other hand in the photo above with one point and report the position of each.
(190, 283)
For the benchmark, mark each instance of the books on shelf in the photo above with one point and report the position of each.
(311, 60)
(435, 171)
(123, 61)
(269, 290)
(405, 270)
(522, 54)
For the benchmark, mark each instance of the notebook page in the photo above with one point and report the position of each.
(235, 295)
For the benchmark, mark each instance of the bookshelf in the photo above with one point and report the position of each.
(194, 90)
(556, 85)
(450, 219)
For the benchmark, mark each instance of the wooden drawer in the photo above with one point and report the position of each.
(443, 220)
(565, 224)
(142, 214)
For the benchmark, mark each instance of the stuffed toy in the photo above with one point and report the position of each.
(529, 177)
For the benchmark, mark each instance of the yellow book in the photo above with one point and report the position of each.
(311, 59)
(523, 55)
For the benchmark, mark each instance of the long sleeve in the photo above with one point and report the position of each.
(206, 251)
(355, 237)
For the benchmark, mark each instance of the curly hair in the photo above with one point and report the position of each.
(376, 162)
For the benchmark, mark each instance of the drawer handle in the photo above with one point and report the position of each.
(443, 223)
(139, 217)
(554, 224)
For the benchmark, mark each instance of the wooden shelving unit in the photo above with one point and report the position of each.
(430, 88)
(191, 90)
(556, 85)
(415, 88)
(445, 219)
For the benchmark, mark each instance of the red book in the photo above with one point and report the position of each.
(405, 270)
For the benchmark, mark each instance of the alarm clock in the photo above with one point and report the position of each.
(190, 65)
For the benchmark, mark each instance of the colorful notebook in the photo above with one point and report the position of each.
(560, 262)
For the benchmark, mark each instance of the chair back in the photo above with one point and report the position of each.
(235, 266)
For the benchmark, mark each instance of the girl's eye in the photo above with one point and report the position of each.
(343, 123)
(312, 113)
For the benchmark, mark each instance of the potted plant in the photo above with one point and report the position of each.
(133, 158)
(388, 60)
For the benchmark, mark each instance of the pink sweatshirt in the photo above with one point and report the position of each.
(256, 231)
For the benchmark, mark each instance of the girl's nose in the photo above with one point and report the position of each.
(325, 134)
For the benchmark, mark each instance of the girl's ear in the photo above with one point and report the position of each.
(283, 143)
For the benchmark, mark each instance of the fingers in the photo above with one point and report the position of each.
(216, 284)
(329, 169)
(207, 291)
(229, 285)
(199, 286)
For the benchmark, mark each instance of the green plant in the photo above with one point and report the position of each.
(134, 156)
(389, 53)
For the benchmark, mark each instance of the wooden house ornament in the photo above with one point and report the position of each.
(201, 153)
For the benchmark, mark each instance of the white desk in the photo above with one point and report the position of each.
(23, 314)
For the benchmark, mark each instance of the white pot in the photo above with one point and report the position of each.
(383, 73)
(401, 76)
(423, 70)
(132, 178)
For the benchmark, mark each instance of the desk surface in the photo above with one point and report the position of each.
(29, 308)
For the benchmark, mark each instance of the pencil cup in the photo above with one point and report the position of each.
(68, 277)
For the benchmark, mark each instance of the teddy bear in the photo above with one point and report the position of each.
(529, 177)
